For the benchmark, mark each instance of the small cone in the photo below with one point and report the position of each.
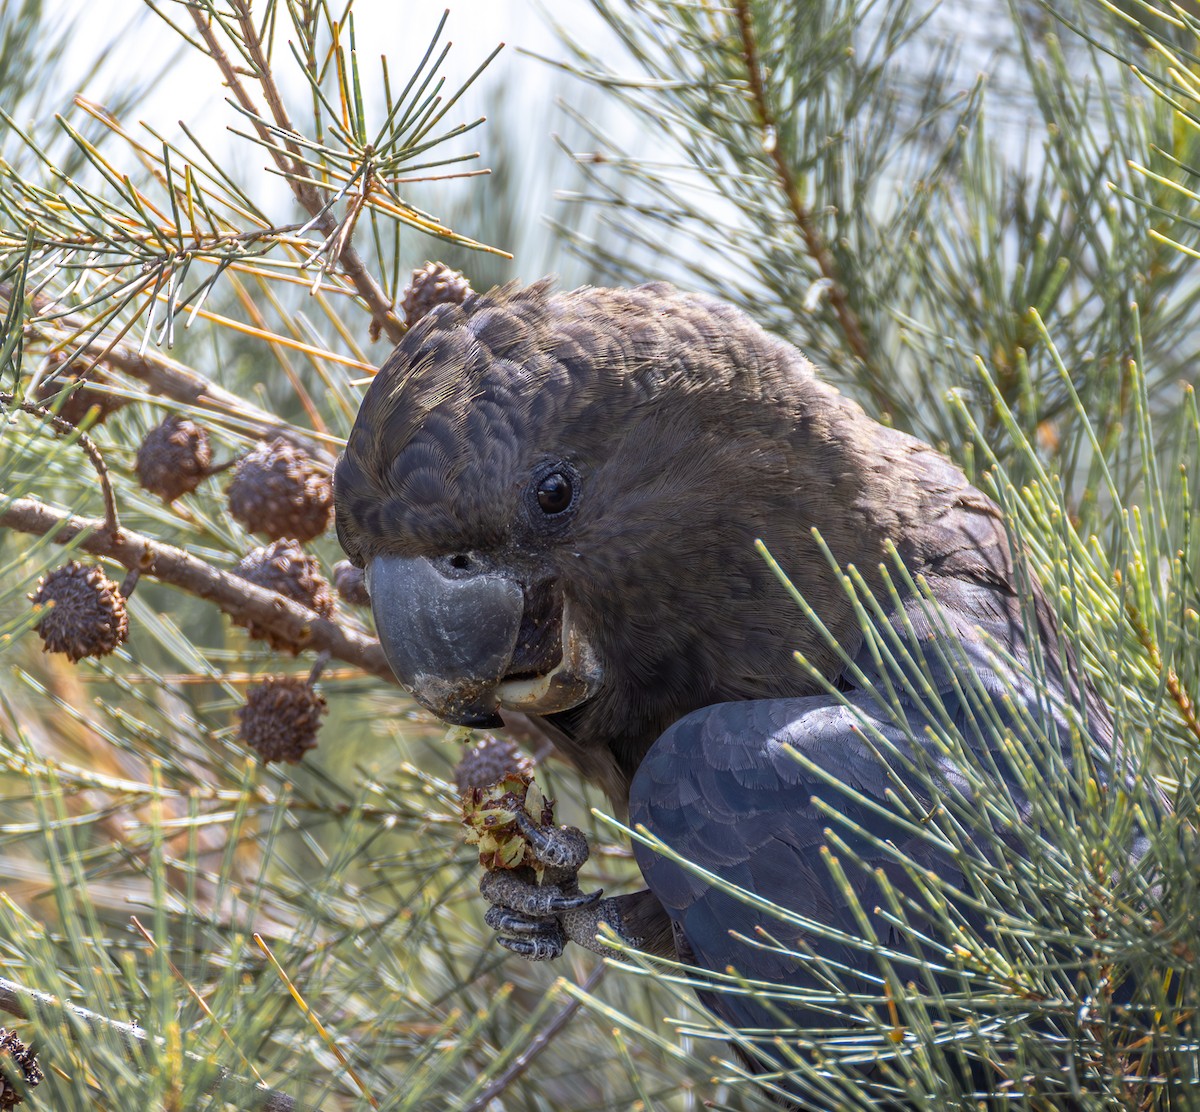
(350, 584)
(174, 458)
(284, 567)
(85, 611)
(81, 399)
(277, 490)
(281, 718)
(490, 760)
(16, 1057)
(433, 284)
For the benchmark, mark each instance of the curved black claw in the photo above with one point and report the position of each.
(505, 921)
(558, 847)
(537, 947)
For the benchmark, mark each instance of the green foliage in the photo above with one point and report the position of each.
(1028, 308)
(1035, 314)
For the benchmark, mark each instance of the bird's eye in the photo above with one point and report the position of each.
(554, 493)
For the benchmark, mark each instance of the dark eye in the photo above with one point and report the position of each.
(554, 493)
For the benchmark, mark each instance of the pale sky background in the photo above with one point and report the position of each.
(398, 28)
(517, 88)
(521, 88)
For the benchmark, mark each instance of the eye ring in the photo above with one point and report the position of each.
(552, 495)
(555, 493)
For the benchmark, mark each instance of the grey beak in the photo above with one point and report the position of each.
(449, 638)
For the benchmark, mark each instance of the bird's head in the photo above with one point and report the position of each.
(556, 496)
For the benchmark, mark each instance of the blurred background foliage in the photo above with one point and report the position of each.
(978, 217)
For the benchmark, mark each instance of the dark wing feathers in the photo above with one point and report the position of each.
(721, 789)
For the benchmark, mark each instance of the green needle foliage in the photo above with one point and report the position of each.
(185, 926)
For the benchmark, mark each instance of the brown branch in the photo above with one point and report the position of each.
(814, 243)
(309, 195)
(265, 76)
(168, 377)
(242, 600)
(22, 1002)
(544, 1037)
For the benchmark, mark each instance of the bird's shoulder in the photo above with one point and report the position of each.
(728, 775)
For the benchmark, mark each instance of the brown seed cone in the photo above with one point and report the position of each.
(278, 491)
(350, 583)
(489, 760)
(433, 284)
(88, 616)
(174, 458)
(281, 718)
(81, 399)
(286, 568)
(16, 1057)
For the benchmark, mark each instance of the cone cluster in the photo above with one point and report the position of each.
(85, 611)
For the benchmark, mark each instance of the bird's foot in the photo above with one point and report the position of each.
(517, 892)
(555, 847)
(527, 916)
(536, 920)
(544, 947)
(538, 938)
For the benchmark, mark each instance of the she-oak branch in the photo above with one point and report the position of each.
(814, 244)
(382, 315)
(235, 596)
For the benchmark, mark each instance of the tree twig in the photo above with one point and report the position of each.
(168, 377)
(814, 243)
(24, 1003)
(237, 597)
(525, 1059)
(66, 428)
(164, 375)
(310, 197)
